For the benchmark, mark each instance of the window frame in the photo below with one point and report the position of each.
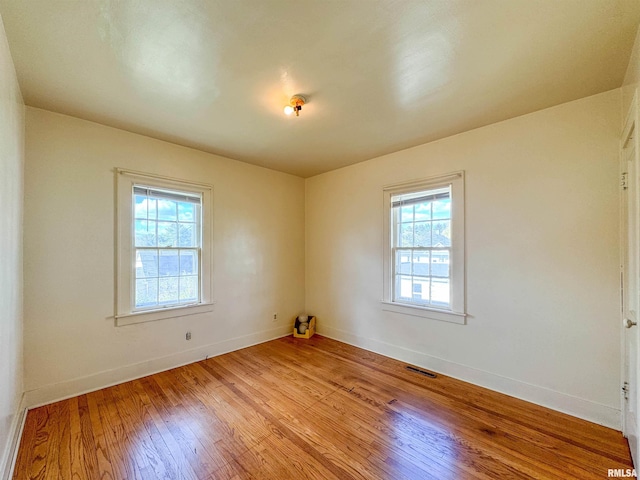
(457, 311)
(125, 309)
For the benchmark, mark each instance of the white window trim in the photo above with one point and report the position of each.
(457, 313)
(124, 290)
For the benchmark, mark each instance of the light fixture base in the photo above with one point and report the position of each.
(296, 103)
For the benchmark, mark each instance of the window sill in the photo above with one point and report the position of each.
(169, 312)
(424, 312)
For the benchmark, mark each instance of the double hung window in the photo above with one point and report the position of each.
(422, 247)
(424, 250)
(163, 248)
(167, 241)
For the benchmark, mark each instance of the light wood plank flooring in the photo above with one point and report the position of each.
(320, 409)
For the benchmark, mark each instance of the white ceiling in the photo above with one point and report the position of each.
(380, 75)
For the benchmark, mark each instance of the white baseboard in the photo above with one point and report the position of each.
(562, 402)
(78, 386)
(8, 459)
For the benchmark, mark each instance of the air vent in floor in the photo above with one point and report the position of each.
(421, 372)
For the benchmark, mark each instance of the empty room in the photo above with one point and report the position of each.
(319, 239)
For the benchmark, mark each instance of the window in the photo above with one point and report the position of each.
(424, 250)
(167, 245)
(163, 248)
(421, 247)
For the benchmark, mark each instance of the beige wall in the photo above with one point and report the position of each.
(542, 257)
(632, 77)
(11, 173)
(72, 343)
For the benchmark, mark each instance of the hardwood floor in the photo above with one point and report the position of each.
(319, 409)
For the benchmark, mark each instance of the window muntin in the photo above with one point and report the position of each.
(421, 249)
(167, 248)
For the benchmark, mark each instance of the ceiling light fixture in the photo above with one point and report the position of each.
(295, 105)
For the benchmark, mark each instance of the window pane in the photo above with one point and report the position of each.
(168, 290)
(167, 209)
(423, 234)
(167, 234)
(146, 292)
(145, 233)
(403, 261)
(187, 235)
(168, 263)
(153, 231)
(188, 262)
(140, 206)
(406, 235)
(404, 287)
(406, 214)
(423, 211)
(421, 287)
(189, 288)
(146, 263)
(442, 208)
(421, 263)
(440, 263)
(440, 291)
(186, 212)
(152, 208)
(442, 233)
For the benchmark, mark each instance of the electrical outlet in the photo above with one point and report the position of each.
(188, 336)
(275, 317)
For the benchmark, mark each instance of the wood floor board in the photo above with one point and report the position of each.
(489, 425)
(218, 440)
(284, 394)
(421, 445)
(246, 425)
(123, 447)
(413, 414)
(315, 365)
(137, 441)
(196, 451)
(120, 461)
(532, 416)
(262, 370)
(484, 429)
(38, 460)
(282, 429)
(277, 457)
(308, 409)
(64, 441)
(103, 454)
(349, 444)
(231, 471)
(53, 457)
(535, 416)
(163, 440)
